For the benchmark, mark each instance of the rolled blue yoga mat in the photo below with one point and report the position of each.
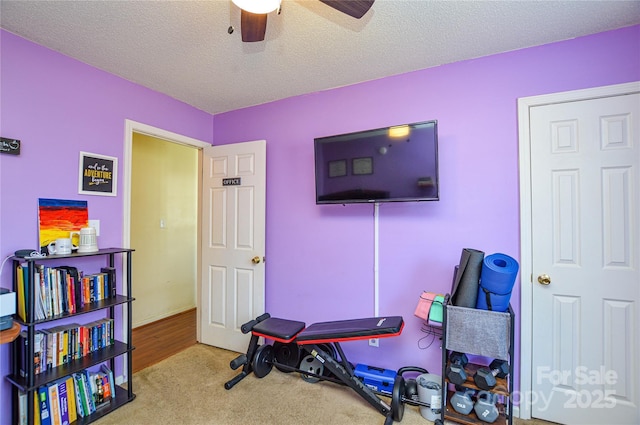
(499, 272)
(495, 302)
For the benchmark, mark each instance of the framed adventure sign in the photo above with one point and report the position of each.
(97, 174)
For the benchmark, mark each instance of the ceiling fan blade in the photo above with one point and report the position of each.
(353, 8)
(253, 26)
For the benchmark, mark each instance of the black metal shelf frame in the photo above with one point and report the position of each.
(31, 381)
(502, 350)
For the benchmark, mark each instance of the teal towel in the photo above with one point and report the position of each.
(435, 313)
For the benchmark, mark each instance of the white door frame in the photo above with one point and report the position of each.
(526, 231)
(140, 128)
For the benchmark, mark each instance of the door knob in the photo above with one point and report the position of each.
(255, 260)
(544, 279)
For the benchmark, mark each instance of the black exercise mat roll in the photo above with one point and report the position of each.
(465, 285)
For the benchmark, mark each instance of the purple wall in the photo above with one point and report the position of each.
(320, 258)
(57, 107)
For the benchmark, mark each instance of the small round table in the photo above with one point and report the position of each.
(8, 335)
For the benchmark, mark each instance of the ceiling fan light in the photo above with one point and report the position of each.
(257, 6)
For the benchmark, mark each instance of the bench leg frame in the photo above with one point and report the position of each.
(348, 378)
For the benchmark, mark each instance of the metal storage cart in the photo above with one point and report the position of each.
(481, 333)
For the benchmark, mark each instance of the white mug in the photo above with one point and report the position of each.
(62, 246)
(87, 239)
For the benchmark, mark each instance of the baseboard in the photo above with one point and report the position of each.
(169, 315)
(516, 411)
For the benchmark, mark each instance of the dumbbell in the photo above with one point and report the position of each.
(485, 407)
(461, 400)
(455, 371)
(485, 378)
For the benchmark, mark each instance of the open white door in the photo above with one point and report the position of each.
(585, 239)
(233, 241)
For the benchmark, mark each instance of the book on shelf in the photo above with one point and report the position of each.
(111, 280)
(74, 285)
(62, 289)
(62, 344)
(109, 373)
(39, 300)
(51, 336)
(80, 408)
(36, 411)
(88, 392)
(39, 352)
(72, 399)
(43, 402)
(86, 289)
(44, 289)
(52, 281)
(21, 271)
(55, 344)
(63, 401)
(106, 387)
(83, 399)
(99, 285)
(54, 404)
(63, 347)
(22, 409)
(99, 388)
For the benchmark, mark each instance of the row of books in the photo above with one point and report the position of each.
(62, 290)
(75, 396)
(59, 345)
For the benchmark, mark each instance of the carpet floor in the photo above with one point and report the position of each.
(188, 388)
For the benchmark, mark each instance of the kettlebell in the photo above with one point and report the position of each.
(410, 385)
(485, 407)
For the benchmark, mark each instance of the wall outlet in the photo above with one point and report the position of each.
(96, 225)
(374, 342)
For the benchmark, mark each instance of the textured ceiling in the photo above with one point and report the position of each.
(183, 48)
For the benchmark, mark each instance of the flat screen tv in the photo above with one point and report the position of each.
(390, 164)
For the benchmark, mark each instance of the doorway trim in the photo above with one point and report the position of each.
(526, 231)
(140, 128)
(132, 127)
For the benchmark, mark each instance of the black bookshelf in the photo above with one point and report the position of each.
(30, 382)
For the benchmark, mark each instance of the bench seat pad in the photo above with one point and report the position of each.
(350, 330)
(282, 330)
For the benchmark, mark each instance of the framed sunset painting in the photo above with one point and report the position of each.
(58, 217)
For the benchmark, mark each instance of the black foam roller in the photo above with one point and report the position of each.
(467, 281)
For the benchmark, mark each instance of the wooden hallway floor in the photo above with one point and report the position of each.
(159, 340)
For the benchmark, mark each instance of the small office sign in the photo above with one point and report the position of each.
(236, 181)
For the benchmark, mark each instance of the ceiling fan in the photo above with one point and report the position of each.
(253, 16)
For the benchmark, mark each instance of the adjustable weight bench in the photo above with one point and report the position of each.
(319, 339)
